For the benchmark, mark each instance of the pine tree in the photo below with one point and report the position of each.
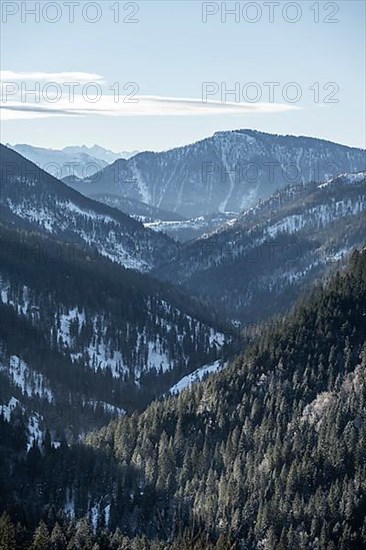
(83, 538)
(41, 537)
(7, 533)
(58, 539)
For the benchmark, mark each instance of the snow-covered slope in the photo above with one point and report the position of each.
(29, 382)
(350, 179)
(36, 403)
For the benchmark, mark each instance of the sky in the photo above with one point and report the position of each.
(151, 75)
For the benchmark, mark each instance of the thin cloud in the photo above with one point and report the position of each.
(35, 111)
(141, 106)
(15, 107)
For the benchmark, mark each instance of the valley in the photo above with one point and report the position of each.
(170, 349)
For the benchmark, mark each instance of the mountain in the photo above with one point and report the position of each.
(227, 172)
(268, 453)
(99, 152)
(62, 163)
(82, 340)
(36, 201)
(72, 160)
(257, 265)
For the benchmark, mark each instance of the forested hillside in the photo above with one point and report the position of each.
(270, 453)
(257, 265)
(83, 340)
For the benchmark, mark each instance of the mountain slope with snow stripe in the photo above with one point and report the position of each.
(229, 171)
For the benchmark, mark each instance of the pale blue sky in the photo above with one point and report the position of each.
(170, 52)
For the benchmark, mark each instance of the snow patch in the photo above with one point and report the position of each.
(31, 383)
(351, 179)
(6, 410)
(196, 376)
(314, 411)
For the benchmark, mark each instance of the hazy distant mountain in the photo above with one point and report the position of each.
(99, 152)
(81, 161)
(227, 172)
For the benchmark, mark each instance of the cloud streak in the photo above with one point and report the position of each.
(141, 106)
(23, 97)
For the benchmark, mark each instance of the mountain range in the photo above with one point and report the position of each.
(80, 161)
(269, 253)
